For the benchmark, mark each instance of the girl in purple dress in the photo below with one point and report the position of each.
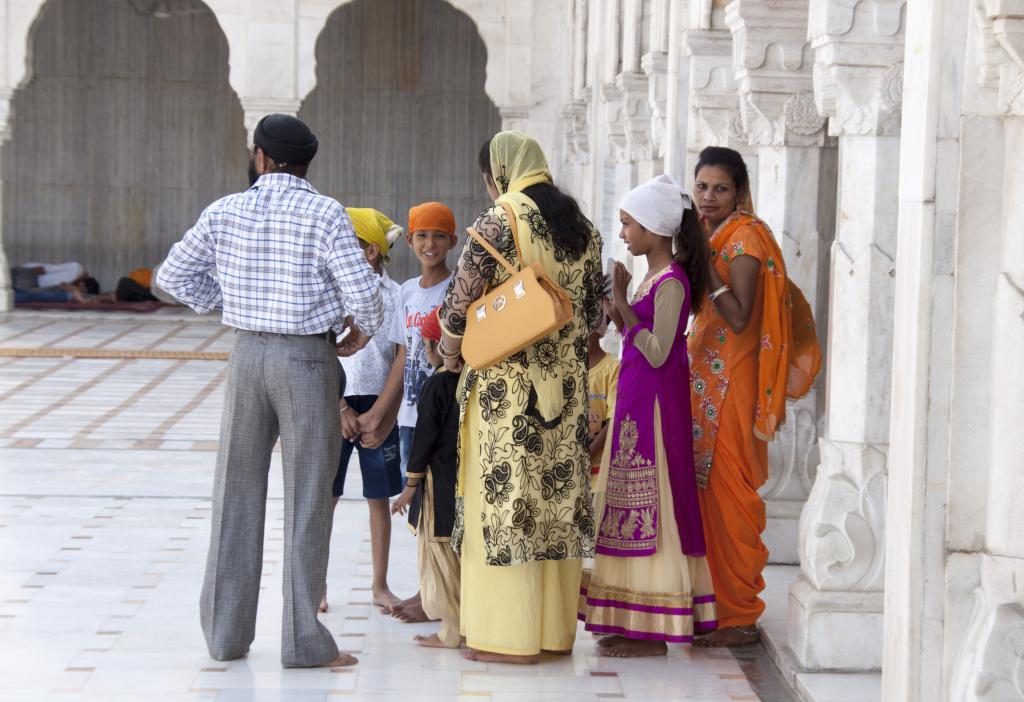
(650, 583)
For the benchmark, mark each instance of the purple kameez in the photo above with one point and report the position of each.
(649, 584)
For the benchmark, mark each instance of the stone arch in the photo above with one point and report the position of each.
(401, 110)
(116, 146)
(493, 23)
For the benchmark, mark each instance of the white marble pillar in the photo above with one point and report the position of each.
(796, 197)
(677, 94)
(714, 114)
(6, 293)
(922, 351)
(984, 604)
(836, 603)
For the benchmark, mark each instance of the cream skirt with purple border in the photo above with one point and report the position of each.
(664, 597)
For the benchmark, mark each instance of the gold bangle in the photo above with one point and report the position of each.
(445, 353)
(718, 293)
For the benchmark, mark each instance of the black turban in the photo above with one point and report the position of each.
(285, 139)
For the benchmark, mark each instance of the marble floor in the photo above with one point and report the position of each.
(105, 469)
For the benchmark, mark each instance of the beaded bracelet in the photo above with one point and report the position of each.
(718, 293)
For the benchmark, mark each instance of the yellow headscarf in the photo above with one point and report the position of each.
(517, 162)
(373, 227)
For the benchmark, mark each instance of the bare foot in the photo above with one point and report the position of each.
(323, 604)
(472, 654)
(634, 648)
(392, 609)
(342, 661)
(385, 599)
(610, 640)
(432, 641)
(729, 636)
(409, 613)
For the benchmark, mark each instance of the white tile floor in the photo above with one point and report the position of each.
(105, 471)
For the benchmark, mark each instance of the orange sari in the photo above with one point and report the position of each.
(738, 388)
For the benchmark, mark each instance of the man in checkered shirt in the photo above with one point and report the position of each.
(283, 264)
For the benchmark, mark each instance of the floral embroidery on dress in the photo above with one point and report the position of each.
(632, 496)
(766, 342)
(737, 248)
(721, 334)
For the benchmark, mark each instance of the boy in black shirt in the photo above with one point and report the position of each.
(429, 494)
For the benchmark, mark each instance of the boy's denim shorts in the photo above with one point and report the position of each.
(381, 467)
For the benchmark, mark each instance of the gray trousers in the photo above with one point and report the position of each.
(287, 386)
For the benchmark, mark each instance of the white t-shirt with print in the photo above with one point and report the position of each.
(416, 303)
(366, 371)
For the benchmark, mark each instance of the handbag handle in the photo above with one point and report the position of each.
(514, 225)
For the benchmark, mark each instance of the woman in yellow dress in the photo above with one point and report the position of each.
(525, 519)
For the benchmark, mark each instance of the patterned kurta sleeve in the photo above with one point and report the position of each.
(475, 270)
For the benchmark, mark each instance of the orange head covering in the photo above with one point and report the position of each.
(430, 328)
(432, 216)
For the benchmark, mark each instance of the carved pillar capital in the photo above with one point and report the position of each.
(636, 116)
(655, 67)
(1001, 51)
(858, 65)
(577, 131)
(714, 106)
(612, 103)
(772, 61)
(514, 116)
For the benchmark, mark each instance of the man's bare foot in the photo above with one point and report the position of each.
(472, 654)
(729, 636)
(323, 604)
(634, 648)
(342, 661)
(432, 641)
(409, 613)
(610, 640)
(385, 599)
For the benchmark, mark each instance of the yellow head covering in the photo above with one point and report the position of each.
(517, 162)
(373, 227)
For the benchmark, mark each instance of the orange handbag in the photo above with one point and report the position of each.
(523, 309)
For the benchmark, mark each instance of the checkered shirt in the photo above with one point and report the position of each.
(279, 257)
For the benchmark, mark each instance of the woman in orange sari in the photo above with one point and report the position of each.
(741, 347)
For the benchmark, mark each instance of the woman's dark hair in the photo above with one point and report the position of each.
(91, 285)
(569, 231)
(728, 159)
(692, 253)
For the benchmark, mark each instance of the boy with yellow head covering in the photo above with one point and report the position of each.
(366, 373)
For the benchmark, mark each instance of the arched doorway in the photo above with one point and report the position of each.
(400, 110)
(125, 130)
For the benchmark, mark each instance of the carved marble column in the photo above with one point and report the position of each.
(836, 603)
(6, 293)
(714, 118)
(985, 525)
(796, 197)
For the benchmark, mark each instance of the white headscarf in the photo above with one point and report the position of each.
(658, 205)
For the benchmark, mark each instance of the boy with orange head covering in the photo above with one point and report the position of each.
(431, 234)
